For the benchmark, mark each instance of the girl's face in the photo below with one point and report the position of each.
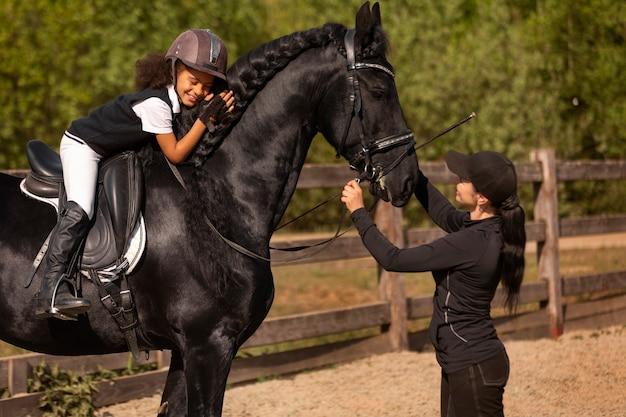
(192, 86)
(466, 195)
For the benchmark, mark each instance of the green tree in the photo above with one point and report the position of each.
(61, 59)
(537, 72)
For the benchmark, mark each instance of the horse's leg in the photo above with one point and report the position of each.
(174, 398)
(259, 315)
(207, 364)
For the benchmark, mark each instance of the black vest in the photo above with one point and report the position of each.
(114, 127)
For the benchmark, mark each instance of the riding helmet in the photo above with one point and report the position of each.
(200, 49)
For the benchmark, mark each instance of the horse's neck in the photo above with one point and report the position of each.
(254, 172)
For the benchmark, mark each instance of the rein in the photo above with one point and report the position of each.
(363, 177)
(323, 243)
(337, 234)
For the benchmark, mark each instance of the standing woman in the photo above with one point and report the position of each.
(485, 245)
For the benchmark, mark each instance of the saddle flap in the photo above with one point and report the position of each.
(121, 185)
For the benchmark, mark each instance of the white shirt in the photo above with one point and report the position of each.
(155, 114)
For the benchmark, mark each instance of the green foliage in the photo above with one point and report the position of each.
(70, 394)
(537, 72)
(66, 394)
(61, 59)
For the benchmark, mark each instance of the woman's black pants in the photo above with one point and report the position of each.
(475, 391)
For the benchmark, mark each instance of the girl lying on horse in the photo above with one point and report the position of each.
(189, 74)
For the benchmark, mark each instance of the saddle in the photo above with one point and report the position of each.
(118, 232)
(117, 238)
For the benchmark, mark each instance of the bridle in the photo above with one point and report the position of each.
(362, 160)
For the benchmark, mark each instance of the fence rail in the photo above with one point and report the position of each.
(556, 295)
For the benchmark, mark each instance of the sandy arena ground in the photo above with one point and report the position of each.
(581, 374)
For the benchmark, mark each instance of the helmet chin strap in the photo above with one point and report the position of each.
(174, 73)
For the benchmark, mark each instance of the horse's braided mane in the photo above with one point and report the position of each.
(247, 76)
(252, 71)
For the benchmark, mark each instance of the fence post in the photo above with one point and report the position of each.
(547, 210)
(18, 376)
(391, 284)
(163, 358)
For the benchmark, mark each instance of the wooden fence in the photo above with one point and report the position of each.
(390, 317)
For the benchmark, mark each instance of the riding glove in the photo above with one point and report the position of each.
(212, 111)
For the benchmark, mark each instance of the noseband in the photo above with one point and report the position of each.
(368, 147)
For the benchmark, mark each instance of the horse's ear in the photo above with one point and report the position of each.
(376, 15)
(364, 24)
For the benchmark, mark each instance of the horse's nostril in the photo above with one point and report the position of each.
(407, 187)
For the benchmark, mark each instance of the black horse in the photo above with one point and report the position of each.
(194, 294)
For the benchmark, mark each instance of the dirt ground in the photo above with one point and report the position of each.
(583, 373)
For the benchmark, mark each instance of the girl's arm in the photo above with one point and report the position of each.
(178, 151)
(444, 214)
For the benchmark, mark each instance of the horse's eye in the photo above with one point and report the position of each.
(379, 93)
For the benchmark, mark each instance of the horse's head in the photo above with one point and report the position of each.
(360, 112)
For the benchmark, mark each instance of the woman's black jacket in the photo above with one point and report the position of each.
(465, 265)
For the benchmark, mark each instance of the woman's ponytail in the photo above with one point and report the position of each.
(512, 255)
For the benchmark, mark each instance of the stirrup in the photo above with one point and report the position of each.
(53, 311)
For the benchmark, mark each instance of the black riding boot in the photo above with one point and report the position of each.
(71, 228)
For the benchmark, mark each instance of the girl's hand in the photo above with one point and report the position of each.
(215, 108)
(352, 196)
(229, 98)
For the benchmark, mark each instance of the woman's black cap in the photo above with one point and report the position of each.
(492, 174)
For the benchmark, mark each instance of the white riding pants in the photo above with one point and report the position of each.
(80, 172)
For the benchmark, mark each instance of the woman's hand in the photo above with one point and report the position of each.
(352, 196)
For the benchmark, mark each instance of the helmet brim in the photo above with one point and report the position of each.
(204, 69)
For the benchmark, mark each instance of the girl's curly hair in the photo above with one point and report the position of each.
(153, 71)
